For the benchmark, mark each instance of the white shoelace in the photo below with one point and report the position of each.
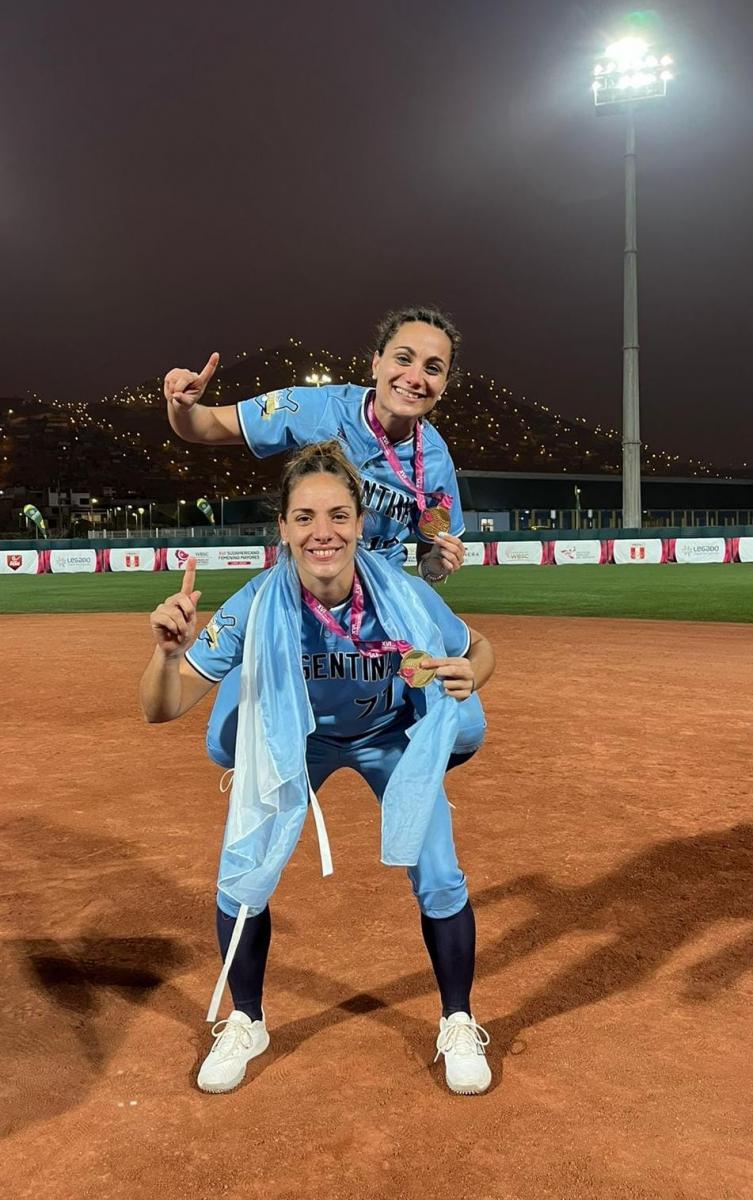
(462, 1038)
(227, 1039)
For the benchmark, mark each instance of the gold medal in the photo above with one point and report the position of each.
(433, 521)
(413, 674)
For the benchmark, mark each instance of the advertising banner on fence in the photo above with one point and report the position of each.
(745, 549)
(697, 550)
(411, 559)
(639, 550)
(587, 551)
(474, 554)
(520, 553)
(138, 559)
(216, 558)
(68, 562)
(19, 562)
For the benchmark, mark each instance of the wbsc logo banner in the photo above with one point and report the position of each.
(524, 554)
(213, 558)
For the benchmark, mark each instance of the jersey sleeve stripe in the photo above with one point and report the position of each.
(200, 670)
(467, 644)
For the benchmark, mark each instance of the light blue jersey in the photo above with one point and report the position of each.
(352, 696)
(299, 416)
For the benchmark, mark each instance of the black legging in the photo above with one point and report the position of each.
(246, 976)
(451, 942)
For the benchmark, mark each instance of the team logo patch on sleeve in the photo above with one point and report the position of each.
(212, 632)
(272, 402)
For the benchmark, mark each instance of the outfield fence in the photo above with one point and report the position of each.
(547, 548)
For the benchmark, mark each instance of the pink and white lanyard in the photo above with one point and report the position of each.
(372, 649)
(388, 450)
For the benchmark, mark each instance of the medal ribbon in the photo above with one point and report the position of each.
(388, 451)
(367, 649)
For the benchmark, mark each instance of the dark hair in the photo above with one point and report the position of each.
(322, 458)
(389, 325)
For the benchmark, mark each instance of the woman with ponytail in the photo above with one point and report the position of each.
(344, 662)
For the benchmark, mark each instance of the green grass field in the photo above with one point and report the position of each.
(667, 593)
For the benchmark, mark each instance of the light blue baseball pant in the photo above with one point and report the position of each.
(223, 723)
(438, 883)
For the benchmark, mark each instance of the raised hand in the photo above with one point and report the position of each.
(456, 674)
(184, 388)
(446, 555)
(174, 621)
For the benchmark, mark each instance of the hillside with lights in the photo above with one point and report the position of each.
(124, 442)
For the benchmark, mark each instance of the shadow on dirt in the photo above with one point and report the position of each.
(657, 900)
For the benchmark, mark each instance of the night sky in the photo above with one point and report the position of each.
(177, 178)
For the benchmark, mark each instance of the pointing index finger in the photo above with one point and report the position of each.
(210, 368)
(189, 577)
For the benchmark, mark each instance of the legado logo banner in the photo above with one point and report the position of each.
(520, 554)
(217, 558)
(73, 561)
(640, 550)
(696, 550)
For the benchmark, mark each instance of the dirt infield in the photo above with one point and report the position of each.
(607, 835)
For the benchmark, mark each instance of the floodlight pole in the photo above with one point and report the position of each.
(631, 434)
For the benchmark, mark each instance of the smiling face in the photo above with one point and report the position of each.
(322, 528)
(411, 374)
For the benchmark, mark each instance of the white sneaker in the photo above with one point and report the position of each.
(463, 1044)
(236, 1041)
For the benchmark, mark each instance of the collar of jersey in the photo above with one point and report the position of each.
(368, 428)
(338, 608)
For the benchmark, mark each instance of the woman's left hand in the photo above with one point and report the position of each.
(456, 675)
(446, 555)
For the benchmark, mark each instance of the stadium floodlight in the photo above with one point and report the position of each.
(630, 71)
(629, 74)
